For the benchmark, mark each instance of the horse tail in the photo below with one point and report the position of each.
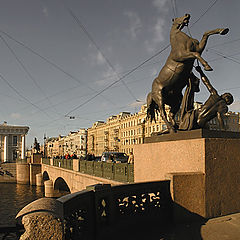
(152, 107)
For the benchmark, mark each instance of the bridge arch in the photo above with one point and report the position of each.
(45, 176)
(61, 186)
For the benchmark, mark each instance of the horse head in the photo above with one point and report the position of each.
(181, 22)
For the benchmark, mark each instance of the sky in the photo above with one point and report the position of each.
(92, 59)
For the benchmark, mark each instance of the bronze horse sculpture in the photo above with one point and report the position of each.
(175, 74)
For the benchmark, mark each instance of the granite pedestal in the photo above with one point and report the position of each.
(203, 165)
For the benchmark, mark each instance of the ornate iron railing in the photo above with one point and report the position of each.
(121, 172)
(63, 163)
(11, 232)
(46, 161)
(105, 212)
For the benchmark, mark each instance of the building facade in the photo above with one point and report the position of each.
(76, 143)
(12, 142)
(73, 143)
(121, 132)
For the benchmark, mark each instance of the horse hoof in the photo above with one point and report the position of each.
(172, 131)
(208, 68)
(224, 31)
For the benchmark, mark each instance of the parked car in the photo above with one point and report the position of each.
(116, 157)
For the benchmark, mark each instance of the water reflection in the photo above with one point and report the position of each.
(13, 198)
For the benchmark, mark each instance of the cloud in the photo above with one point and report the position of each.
(15, 115)
(161, 5)
(135, 23)
(45, 11)
(158, 33)
(109, 75)
(136, 104)
(100, 59)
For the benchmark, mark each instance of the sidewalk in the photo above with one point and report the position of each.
(224, 228)
(221, 228)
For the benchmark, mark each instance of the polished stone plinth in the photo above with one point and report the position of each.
(203, 166)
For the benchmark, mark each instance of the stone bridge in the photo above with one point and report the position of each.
(60, 176)
(65, 180)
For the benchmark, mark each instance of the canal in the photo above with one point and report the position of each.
(13, 197)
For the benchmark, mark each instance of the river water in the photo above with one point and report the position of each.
(13, 197)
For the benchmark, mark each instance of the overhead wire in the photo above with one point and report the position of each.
(125, 75)
(115, 82)
(224, 56)
(26, 70)
(51, 63)
(213, 3)
(224, 43)
(173, 8)
(22, 96)
(134, 69)
(84, 29)
(221, 57)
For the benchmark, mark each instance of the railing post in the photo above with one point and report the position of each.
(104, 207)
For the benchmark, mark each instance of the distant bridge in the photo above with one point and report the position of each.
(72, 175)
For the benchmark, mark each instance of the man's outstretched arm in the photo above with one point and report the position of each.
(206, 81)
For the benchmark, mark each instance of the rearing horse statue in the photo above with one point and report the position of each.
(175, 74)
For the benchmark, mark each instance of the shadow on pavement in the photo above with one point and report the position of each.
(184, 225)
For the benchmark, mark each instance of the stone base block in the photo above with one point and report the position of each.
(214, 158)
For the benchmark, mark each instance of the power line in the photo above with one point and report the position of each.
(173, 9)
(224, 56)
(214, 2)
(23, 97)
(216, 59)
(51, 63)
(124, 76)
(224, 43)
(84, 29)
(134, 69)
(25, 69)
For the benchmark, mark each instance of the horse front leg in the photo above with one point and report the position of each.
(193, 55)
(158, 98)
(203, 42)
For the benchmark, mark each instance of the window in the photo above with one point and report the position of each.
(14, 140)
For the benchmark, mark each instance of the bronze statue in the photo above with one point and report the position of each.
(215, 106)
(175, 74)
(36, 145)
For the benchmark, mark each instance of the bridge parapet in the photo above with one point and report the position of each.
(121, 172)
(103, 211)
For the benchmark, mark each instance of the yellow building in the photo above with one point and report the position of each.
(73, 143)
(76, 143)
(121, 132)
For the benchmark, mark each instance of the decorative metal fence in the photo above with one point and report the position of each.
(11, 232)
(46, 161)
(63, 163)
(117, 210)
(121, 172)
(102, 212)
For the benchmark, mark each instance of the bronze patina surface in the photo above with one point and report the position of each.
(175, 74)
